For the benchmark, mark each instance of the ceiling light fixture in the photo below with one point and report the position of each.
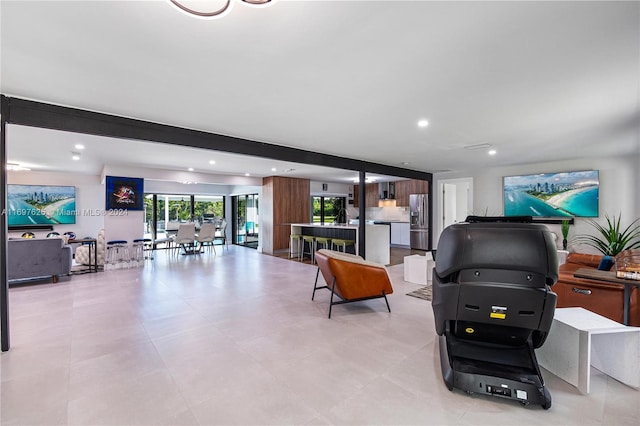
(75, 156)
(190, 169)
(79, 146)
(247, 174)
(492, 152)
(273, 169)
(213, 8)
(423, 123)
(478, 146)
(212, 162)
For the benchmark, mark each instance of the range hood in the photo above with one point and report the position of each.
(387, 194)
(387, 190)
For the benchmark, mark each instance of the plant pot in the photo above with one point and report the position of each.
(564, 244)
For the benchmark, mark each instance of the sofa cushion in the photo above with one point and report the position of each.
(583, 259)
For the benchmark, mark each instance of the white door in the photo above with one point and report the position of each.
(449, 204)
(456, 201)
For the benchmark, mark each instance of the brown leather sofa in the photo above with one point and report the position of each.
(351, 278)
(603, 298)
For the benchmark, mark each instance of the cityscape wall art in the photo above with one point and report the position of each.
(566, 194)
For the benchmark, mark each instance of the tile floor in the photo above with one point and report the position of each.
(234, 338)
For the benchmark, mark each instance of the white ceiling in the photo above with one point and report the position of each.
(539, 81)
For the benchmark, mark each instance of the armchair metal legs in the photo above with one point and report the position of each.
(343, 301)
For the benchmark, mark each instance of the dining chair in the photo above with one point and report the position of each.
(186, 238)
(222, 234)
(206, 236)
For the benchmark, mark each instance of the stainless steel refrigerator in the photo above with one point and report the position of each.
(419, 217)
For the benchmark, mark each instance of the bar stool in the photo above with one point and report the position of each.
(117, 252)
(338, 242)
(294, 238)
(311, 241)
(139, 247)
(322, 241)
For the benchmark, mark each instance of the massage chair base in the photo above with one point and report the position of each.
(521, 384)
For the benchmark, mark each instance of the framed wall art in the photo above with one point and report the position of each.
(124, 193)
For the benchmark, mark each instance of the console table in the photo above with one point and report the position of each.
(579, 339)
(93, 260)
(610, 277)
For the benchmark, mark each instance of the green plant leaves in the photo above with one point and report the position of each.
(610, 239)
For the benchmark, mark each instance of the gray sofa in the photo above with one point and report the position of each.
(30, 258)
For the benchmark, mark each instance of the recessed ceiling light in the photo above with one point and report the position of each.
(190, 169)
(212, 162)
(492, 152)
(273, 169)
(405, 163)
(75, 156)
(247, 174)
(423, 123)
(79, 146)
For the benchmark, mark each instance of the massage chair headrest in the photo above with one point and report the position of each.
(502, 246)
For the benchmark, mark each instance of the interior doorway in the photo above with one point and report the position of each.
(456, 201)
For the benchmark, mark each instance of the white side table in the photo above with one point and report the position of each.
(579, 339)
(418, 269)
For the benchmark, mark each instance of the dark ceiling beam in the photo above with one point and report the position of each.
(38, 114)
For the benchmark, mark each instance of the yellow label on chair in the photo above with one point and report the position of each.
(498, 312)
(469, 330)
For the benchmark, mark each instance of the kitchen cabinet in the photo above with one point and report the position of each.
(356, 195)
(406, 187)
(400, 234)
(371, 191)
(371, 195)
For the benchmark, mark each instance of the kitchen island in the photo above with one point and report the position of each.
(377, 245)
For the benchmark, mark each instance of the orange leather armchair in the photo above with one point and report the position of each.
(351, 278)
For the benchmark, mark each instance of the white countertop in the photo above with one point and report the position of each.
(372, 222)
(332, 225)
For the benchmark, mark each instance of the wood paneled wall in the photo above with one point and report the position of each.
(284, 201)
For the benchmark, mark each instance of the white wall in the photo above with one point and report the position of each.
(618, 189)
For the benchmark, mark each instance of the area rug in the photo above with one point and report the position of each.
(422, 293)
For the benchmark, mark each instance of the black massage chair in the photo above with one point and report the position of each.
(493, 306)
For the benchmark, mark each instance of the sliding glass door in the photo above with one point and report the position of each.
(246, 226)
(165, 212)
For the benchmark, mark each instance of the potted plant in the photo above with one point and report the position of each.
(564, 228)
(610, 239)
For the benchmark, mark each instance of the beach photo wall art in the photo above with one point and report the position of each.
(29, 205)
(566, 194)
